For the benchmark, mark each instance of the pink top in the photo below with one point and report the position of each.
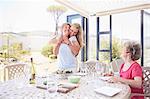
(133, 71)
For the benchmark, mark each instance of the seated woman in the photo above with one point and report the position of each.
(131, 71)
(67, 51)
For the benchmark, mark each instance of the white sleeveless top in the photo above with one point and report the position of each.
(65, 58)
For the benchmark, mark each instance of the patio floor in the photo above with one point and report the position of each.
(42, 63)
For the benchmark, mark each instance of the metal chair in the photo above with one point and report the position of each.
(116, 64)
(90, 65)
(11, 71)
(146, 83)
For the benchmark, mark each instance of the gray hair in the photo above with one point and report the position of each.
(134, 48)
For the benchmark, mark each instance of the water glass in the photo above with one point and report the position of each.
(98, 68)
(27, 72)
(19, 80)
(52, 86)
(83, 68)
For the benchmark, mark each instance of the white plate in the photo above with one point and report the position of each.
(80, 74)
(108, 91)
(105, 78)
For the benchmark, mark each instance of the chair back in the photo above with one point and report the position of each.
(11, 71)
(90, 65)
(146, 81)
(116, 64)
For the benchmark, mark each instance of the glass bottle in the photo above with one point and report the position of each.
(32, 70)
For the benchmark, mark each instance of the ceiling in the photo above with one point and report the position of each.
(104, 7)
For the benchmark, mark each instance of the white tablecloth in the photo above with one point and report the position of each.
(12, 90)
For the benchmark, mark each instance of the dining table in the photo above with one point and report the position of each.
(89, 87)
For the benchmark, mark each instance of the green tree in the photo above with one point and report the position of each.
(116, 48)
(56, 11)
(47, 50)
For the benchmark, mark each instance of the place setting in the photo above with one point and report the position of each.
(52, 83)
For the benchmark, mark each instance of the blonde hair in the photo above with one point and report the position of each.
(134, 48)
(64, 24)
(79, 34)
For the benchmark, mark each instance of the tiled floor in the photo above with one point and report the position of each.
(42, 63)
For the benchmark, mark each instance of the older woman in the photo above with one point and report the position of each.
(67, 51)
(131, 71)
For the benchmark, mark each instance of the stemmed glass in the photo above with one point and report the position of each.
(52, 85)
(98, 68)
(26, 75)
(19, 80)
(83, 68)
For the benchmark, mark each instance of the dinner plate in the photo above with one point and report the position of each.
(105, 78)
(108, 91)
(80, 74)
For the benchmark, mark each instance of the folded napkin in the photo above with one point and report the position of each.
(63, 87)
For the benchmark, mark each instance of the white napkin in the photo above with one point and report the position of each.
(108, 91)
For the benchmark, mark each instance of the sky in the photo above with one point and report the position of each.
(31, 15)
(25, 15)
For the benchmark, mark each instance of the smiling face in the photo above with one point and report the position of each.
(131, 51)
(73, 31)
(65, 29)
(125, 54)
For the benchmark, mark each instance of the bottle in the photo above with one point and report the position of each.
(32, 70)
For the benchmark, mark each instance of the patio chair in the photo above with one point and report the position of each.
(90, 65)
(13, 71)
(116, 64)
(146, 83)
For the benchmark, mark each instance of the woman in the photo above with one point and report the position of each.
(131, 71)
(67, 52)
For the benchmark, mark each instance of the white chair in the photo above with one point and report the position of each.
(90, 65)
(116, 64)
(11, 71)
(146, 83)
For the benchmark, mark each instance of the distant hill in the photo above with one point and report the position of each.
(30, 33)
(37, 33)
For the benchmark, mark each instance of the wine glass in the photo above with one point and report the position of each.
(83, 68)
(98, 68)
(26, 75)
(52, 87)
(19, 80)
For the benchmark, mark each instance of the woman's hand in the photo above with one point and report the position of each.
(114, 79)
(66, 40)
(75, 47)
(59, 40)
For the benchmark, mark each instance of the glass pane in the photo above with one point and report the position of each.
(104, 42)
(104, 23)
(126, 26)
(104, 56)
(116, 48)
(146, 40)
(78, 20)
